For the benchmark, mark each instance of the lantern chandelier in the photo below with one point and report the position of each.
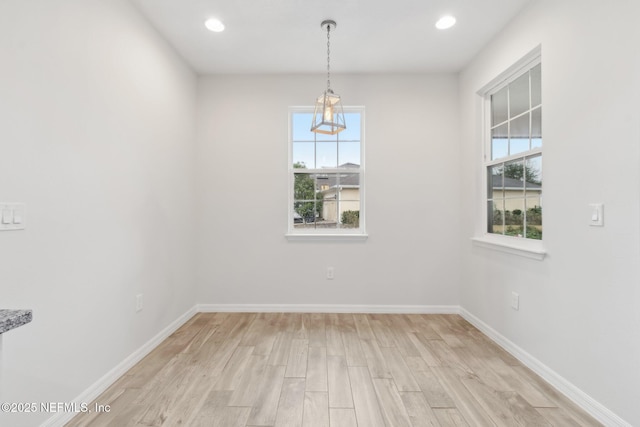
(328, 116)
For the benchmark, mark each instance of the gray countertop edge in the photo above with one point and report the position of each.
(11, 319)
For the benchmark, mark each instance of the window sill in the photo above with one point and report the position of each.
(527, 248)
(327, 237)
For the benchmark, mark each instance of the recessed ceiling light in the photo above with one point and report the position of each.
(445, 22)
(214, 25)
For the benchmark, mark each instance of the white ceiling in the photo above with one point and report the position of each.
(284, 36)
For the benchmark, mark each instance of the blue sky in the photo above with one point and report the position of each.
(325, 151)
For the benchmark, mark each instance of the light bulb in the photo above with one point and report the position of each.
(328, 113)
(214, 25)
(445, 22)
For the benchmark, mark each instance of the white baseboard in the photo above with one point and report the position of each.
(90, 394)
(328, 308)
(580, 398)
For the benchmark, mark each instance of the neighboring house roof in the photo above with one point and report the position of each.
(512, 183)
(349, 165)
(345, 179)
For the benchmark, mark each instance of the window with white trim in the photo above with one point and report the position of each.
(326, 176)
(513, 155)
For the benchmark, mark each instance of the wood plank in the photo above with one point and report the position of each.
(191, 401)
(362, 327)
(213, 357)
(317, 330)
(261, 334)
(203, 377)
(299, 327)
(291, 404)
(375, 359)
(433, 391)
(150, 366)
(447, 332)
(401, 329)
(246, 392)
(412, 322)
(352, 349)
(492, 401)
(254, 331)
(235, 325)
(342, 417)
(469, 407)
(400, 372)
(421, 344)
(523, 412)
(558, 417)
(450, 417)
(317, 369)
(393, 409)
(346, 323)
(199, 340)
(338, 382)
(265, 407)
(381, 330)
(229, 416)
(483, 346)
(185, 334)
(480, 368)
(316, 409)
(297, 362)
(427, 330)
(579, 415)
(415, 364)
(365, 401)
(335, 347)
(445, 355)
(419, 411)
(172, 370)
(234, 369)
(518, 384)
(215, 412)
(164, 399)
(281, 349)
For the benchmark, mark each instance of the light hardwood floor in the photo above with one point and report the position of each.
(337, 370)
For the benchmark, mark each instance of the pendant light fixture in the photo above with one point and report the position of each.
(328, 116)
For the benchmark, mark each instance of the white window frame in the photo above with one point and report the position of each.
(529, 248)
(326, 233)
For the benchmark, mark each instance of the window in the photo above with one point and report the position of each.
(326, 177)
(513, 154)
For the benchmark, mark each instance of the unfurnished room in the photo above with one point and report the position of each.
(340, 213)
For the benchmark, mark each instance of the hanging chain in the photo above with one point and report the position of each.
(328, 58)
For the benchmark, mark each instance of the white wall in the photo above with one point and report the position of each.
(97, 123)
(411, 256)
(579, 308)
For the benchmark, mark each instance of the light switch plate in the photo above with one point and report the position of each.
(515, 301)
(13, 216)
(596, 214)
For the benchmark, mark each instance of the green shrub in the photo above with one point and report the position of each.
(534, 216)
(534, 233)
(497, 217)
(351, 218)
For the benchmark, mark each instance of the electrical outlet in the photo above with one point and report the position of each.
(138, 303)
(515, 301)
(329, 273)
